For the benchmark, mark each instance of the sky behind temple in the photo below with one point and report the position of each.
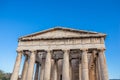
(22, 17)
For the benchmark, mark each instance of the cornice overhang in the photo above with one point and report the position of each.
(92, 34)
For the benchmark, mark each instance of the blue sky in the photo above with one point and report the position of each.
(21, 17)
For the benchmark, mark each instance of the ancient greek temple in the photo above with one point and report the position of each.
(61, 54)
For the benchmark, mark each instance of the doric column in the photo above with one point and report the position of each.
(80, 69)
(15, 73)
(60, 69)
(85, 75)
(99, 69)
(47, 66)
(31, 66)
(25, 67)
(52, 68)
(55, 75)
(42, 69)
(37, 71)
(65, 72)
(70, 69)
(92, 73)
(94, 69)
(104, 73)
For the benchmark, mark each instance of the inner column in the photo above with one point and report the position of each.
(37, 71)
(47, 70)
(65, 72)
(85, 74)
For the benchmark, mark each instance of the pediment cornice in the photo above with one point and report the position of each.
(61, 33)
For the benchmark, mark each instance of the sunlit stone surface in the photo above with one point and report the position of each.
(62, 54)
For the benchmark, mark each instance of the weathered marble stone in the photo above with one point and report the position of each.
(17, 66)
(25, 68)
(62, 54)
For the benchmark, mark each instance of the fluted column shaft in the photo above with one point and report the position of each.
(94, 70)
(99, 71)
(104, 73)
(70, 69)
(52, 69)
(47, 66)
(60, 69)
(65, 72)
(55, 74)
(25, 67)
(37, 71)
(80, 69)
(31, 66)
(15, 73)
(42, 69)
(92, 73)
(85, 75)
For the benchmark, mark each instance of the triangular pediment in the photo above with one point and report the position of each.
(60, 33)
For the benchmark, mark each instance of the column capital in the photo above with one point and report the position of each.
(26, 53)
(19, 51)
(84, 49)
(94, 51)
(49, 51)
(66, 51)
(101, 49)
(33, 51)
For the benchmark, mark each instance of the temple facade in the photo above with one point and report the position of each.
(61, 54)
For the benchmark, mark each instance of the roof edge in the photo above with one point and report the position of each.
(62, 28)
